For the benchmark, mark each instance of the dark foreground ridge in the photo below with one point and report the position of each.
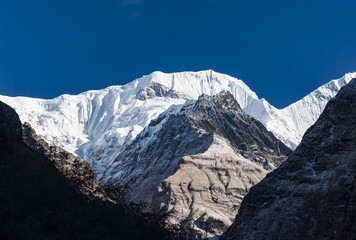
(38, 202)
(312, 195)
(77, 171)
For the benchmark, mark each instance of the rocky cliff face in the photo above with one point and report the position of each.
(312, 195)
(193, 165)
(77, 171)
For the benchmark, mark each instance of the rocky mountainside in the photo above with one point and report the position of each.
(312, 195)
(194, 164)
(97, 125)
(78, 172)
(38, 202)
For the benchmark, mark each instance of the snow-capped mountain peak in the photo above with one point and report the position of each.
(96, 124)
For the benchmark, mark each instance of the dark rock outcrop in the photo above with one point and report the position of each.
(158, 90)
(77, 171)
(10, 129)
(312, 195)
(194, 165)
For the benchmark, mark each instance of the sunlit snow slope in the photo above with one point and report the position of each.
(96, 124)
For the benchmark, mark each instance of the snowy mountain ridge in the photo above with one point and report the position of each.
(96, 124)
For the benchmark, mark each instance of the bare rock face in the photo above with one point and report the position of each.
(193, 167)
(158, 90)
(77, 171)
(312, 195)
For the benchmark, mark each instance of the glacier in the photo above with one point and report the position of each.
(96, 125)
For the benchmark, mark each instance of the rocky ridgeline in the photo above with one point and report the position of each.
(195, 165)
(312, 195)
(76, 170)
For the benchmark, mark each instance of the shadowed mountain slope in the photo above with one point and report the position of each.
(38, 202)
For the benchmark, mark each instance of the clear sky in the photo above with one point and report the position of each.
(282, 49)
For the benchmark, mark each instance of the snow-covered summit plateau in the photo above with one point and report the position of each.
(97, 124)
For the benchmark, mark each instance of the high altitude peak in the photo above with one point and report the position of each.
(190, 85)
(160, 73)
(162, 77)
(96, 124)
(156, 75)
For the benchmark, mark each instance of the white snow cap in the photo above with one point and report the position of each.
(97, 124)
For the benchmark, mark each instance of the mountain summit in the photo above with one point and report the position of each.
(97, 125)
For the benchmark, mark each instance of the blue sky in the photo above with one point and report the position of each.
(281, 49)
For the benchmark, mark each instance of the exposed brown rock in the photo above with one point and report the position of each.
(207, 189)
